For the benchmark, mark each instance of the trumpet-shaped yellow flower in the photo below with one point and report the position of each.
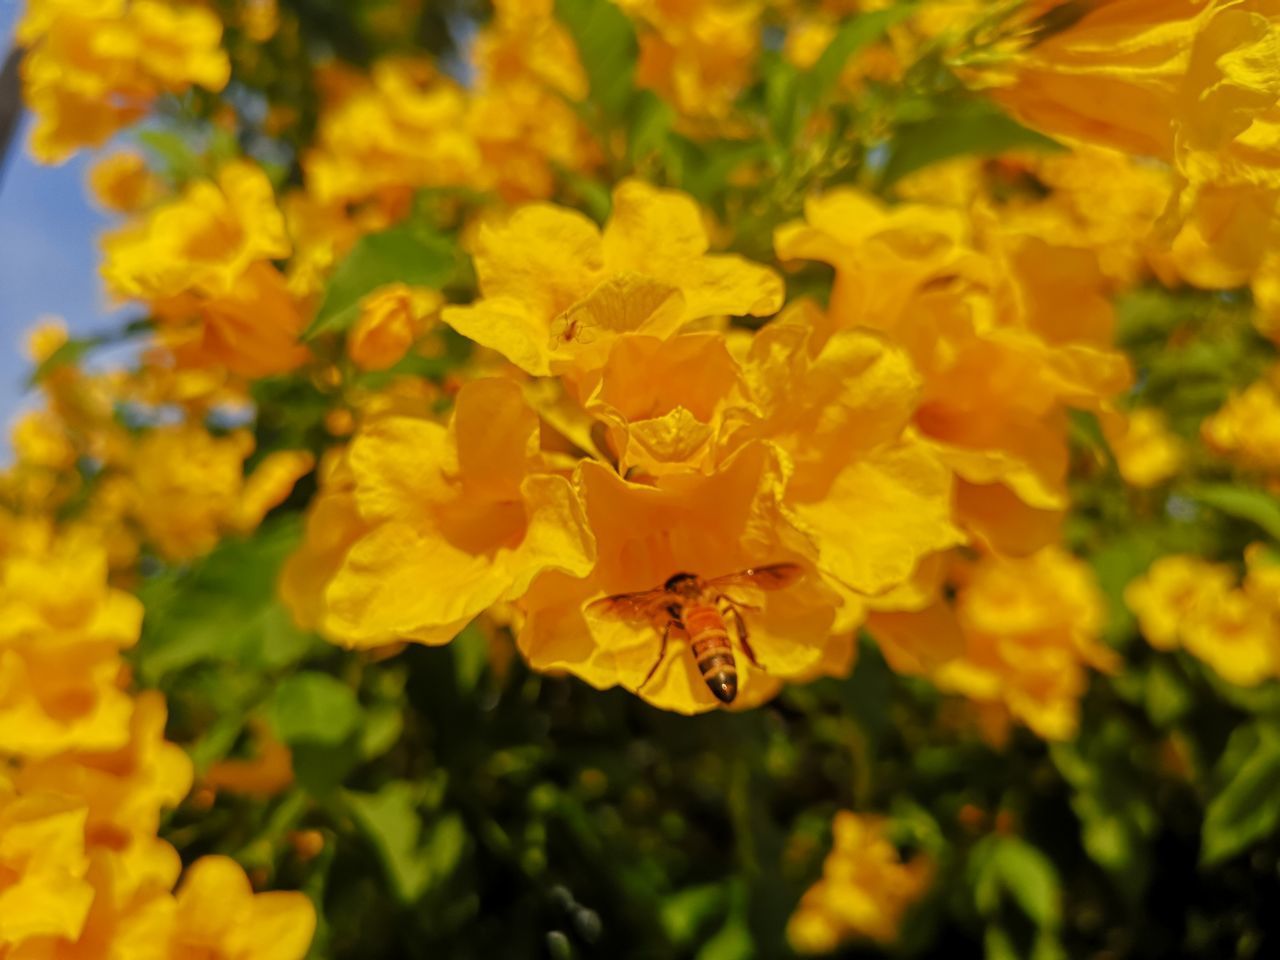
(44, 893)
(557, 292)
(220, 917)
(1006, 332)
(697, 55)
(708, 526)
(123, 790)
(203, 260)
(391, 319)
(121, 182)
(1030, 627)
(1247, 428)
(1183, 601)
(189, 486)
(442, 523)
(521, 111)
(1145, 451)
(92, 68)
(61, 631)
(404, 130)
(1173, 590)
(865, 890)
(1191, 82)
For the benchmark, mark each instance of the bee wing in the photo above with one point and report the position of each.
(644, 605)
(775, 576)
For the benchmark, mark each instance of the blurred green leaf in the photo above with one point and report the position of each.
(415, 855)
(313, 707)
(1168, 698)
(816, 83)
(1247, 808)
(470, 651)
(686, 912)
(223, 608)
(607, 46)
(732, 941)
(381, 729)
(1006, 867)
(1244, 503)
(964, 127)
(407, 254)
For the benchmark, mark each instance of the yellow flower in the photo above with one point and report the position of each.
(1145, 451)
(557, 292)
(1102, 200)
(1006, 332)
(1174, 590)
(404, 130)
(45, 338)
(1030, 628)
(92, 68)
(1247, 428)
(43, 891)
(872, 496)
(1185, 601)
(220, 917)
(259, 19)
(1191, 82)
(61, 630)
(39, 438)
(203, 240)
(203, 259)
(708, 526)
(122, 182)
(446, 521)
(1238, 638)
(697, 55)
(865, 889)
(521, 114)
(391, 319)
(788, 444)
(124, 790)
(189, 486)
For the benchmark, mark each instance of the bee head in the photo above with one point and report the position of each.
(683, 584)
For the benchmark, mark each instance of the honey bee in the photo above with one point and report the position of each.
(689, 605)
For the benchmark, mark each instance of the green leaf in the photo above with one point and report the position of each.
(314, 707)
(1243, 503)
(1009, 868)
(1247, 808)
(854, 34)
(1167, 695)
(415, 858)
(1030, 878)
(223, 609)
(607, 47)
(470, 651)
(686, 912)
(406, 254)
(964, 127)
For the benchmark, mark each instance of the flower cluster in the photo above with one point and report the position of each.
(865, 890)
(95, 68)
(1184, 602)
(88, 773)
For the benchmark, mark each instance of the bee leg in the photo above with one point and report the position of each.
(739, 605)
(662, 652)
(740, 627)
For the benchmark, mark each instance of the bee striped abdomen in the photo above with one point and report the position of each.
(712, 652)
